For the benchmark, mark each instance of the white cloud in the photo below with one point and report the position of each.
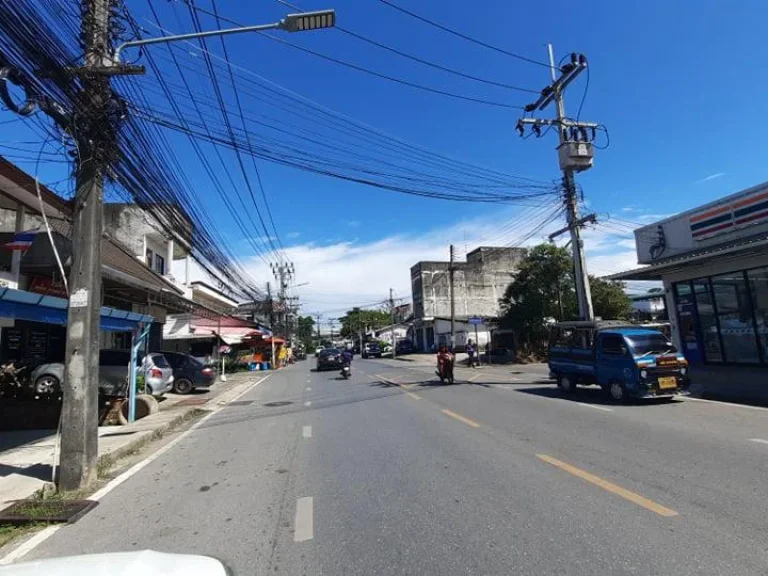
(293, 235)
(342, 274)
(714, 176)
(352, 223)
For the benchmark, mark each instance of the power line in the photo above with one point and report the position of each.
(375, 73)
(418, 59)
(462, 35)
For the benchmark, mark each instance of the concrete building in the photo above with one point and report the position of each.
(713, 262)
(479, 284)
(159, 238)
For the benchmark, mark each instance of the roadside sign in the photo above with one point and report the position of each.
(475, 320)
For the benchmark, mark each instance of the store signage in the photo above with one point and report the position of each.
(47, 286)
(739, 213)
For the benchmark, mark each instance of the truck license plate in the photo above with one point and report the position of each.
(667, 382)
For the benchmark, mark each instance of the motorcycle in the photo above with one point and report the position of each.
(346, 371)
(445, 373)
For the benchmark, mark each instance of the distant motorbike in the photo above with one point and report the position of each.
(346, 371)
(445, 373)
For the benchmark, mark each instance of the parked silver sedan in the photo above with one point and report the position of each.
(113, 374)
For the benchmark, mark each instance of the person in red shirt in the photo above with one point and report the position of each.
(444, 360)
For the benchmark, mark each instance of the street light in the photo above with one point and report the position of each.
(301, 22)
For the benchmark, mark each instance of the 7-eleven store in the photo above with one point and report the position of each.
(713, 261)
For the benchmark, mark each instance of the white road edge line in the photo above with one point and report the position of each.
(304, 524)
(29, 545)
(306, 432)
(731, 404)
(603, 408)
(758, 440)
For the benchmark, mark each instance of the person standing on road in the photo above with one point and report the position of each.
(471, 350)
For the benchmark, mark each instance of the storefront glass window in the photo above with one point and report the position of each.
(734, 311)
(758, 285)
(707, 321)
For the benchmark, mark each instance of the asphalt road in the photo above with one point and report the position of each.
(392, 473)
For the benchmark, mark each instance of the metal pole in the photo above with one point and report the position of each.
(392, 318)
(193, 35)
(132, 380)
(453, 299)
(583, 293)
(477, 346)
(79, 434)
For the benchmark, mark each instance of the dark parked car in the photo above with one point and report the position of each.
(329, 358)
(371, 350)
(188, 372)
(405, 347)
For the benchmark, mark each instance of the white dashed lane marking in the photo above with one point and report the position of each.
(304, 523)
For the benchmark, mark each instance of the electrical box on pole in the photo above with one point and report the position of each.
(575, 156)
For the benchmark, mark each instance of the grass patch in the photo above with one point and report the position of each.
(9, 532)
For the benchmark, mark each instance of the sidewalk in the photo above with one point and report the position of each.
(739, 384)
(26, 456)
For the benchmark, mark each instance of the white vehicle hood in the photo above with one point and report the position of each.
(143, 563)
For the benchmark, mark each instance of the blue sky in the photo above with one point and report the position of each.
(679, 85)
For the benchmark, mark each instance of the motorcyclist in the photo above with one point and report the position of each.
(471, 351)
(346, 358)
(444, 359)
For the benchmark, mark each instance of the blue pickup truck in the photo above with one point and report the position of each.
(625, 360)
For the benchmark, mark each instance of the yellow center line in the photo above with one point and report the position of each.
(414, 396)
(461, 418)
(609, 486)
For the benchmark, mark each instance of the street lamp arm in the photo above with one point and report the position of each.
(193, 35)
(301, 22)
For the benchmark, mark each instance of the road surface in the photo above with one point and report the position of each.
(392, 473)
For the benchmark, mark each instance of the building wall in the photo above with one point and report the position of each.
(479, 283)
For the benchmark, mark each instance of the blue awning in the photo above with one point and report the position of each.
(23, 305)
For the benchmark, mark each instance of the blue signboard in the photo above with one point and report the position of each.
(475, 320)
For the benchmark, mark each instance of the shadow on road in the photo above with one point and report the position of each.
(593, 395)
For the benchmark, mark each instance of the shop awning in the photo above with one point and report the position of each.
(23, 305)
(234, 335)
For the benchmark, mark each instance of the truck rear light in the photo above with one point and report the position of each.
(155, 373)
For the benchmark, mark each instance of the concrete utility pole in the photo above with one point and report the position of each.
(95, 136)
(318, 317)
(575, 154)
(453, 297)
(392, 319)
(283, 271)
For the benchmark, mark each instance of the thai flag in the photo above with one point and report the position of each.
(21, 241)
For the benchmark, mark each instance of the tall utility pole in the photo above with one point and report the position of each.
(283, 272)
(575, 154)
(95, 136)
(318, 317)
(453, 297)
(392, 319)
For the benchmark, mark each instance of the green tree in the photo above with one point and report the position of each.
(356, 320)
(543, 290)
(306, 331)
(609, 299)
